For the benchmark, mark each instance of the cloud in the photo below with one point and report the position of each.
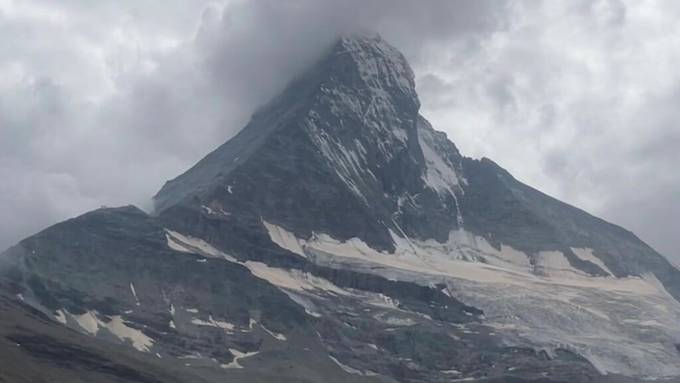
(101, 102)
(578, 99)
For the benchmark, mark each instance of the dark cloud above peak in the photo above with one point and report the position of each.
(101, 102)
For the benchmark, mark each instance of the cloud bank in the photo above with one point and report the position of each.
(101, 102)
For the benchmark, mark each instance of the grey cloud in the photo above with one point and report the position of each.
(101, 102)
(578, 99)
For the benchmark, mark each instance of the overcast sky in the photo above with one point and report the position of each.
(102, 101)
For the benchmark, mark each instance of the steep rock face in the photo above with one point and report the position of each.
(343, 151)
(339, 237)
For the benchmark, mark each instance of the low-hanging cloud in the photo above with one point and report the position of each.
(101, 102)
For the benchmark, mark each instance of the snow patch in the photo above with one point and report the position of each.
(309, 306)
(351, 370)
(295, 280)
(88, 322)
(381, 300)
(187, 244)
(550, 263)
(60, 317)
(211, 211)
(395, 321)
(91, 324)
(586, 254)
(134, 294)
(238, 355)
(467, 257)
(118, 328)
(213, 323)
(439, 174)
(284, 238)
(275, 335)
(208, 209)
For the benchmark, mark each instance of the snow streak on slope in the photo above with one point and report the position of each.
(211, 322)
(346, 164)
(91, 323)
(622, 325)
(361, 108)
(238, 355)
(284, 239)
(293, 280)
(187, 244)
(439, 175)
(351, 370)
(587, 255)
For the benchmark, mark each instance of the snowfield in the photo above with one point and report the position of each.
(626, 326)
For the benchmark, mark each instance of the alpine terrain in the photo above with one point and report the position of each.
(340, 238)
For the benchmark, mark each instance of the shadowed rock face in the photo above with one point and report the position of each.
(339, 237)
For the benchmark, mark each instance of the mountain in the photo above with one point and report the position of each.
(339, 237)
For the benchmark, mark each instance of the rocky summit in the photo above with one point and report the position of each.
(340, 238)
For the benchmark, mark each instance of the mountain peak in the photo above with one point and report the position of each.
(346, 132)
(358, 100)
(375, 63)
